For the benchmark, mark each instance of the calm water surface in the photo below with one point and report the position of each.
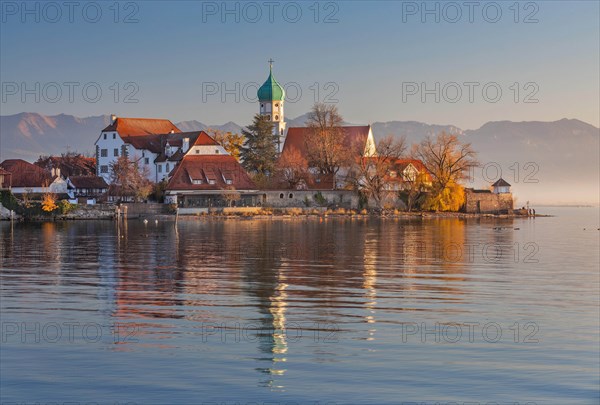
(303, 311)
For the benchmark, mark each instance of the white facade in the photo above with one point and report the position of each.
(109, 147)
(274, 111)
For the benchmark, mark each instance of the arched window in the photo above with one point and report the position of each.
(281, 195)
(277, 118)
(291, 195)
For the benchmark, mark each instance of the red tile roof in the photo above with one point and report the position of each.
(204, 139)
(353, 136)
(141, 126)
(25, 174)
(202, 167)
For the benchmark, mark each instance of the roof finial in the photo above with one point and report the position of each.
(271, 63)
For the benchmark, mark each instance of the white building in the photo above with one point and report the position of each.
(157, 145)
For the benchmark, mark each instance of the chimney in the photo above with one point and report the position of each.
(186, 144)
(113, 118)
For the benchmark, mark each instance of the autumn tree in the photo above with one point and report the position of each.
(130, 179)
(49, 202)
(416, 191)
(371, 175)
(292, 168)
(259, 153)
(448, 161)
(231, 142)
(326, 148)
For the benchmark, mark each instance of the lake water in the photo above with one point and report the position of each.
(308, 311)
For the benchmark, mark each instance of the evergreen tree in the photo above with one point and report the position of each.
(259, 153)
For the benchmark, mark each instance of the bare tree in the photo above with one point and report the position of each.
(325, 144)
(230, 195)
(130, 179)
(292, 168)
(448, 160)
(371, 175)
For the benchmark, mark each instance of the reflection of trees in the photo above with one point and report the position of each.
(148, 280)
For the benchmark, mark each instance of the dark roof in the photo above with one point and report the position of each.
(156, 143)
(353, 136)
(204, 167)
(69, 165)
(88, 182)
(177, 156)
(141, 126)
(25, 174)
(501, 183)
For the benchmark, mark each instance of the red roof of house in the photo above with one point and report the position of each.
(402, 163)
(204, 167)
(88, 182)
(25, 174)
(205, 139)
(353, 136)
(141, 126)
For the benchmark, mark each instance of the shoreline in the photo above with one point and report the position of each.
(283, 215)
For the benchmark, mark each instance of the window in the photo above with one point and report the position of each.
(229, 182)
(197, 181)
(160, 168)
(281, 195)
(276, 104)
(104, 136)
(104, 153)
(291, 195)
(114, 136)
(147, 161)
(211, 182)
(277, 118)
(197, 151)
(216, 151)
(116, 152)
(168, 169)
(103, 169)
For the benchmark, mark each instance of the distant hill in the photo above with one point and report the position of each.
(563, 156)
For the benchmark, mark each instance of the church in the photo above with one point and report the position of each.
(271, 97)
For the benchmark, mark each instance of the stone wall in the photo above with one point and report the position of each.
(485, 202)
(97, 211)
(309, 198)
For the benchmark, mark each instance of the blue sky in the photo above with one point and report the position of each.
(374, 59)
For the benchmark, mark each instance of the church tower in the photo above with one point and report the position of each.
(270, 98)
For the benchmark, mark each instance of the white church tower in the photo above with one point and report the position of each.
(271, 97)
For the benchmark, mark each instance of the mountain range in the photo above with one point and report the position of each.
(546, 162)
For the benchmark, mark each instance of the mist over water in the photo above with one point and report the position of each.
(340, 310)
